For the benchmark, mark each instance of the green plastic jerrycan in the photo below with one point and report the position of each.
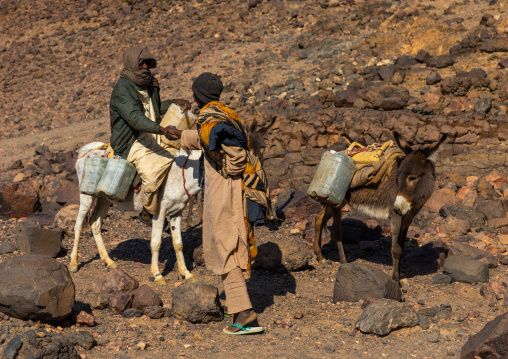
(116, 179)
(332, 178)
(92, 173)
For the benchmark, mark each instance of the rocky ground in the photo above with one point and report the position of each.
(325, 71)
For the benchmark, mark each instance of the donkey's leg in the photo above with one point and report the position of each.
(176, 233)
(199, 201)
(85, 203)
(399, 228)
(337, 229)
(321, 220)
(155, 244)
(190, 206)
(101, 209)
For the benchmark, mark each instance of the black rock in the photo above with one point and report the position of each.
(359, 281)
(82, 338)
(132, 313)
(441, 279)
(433, 78)
(475, 218)
(483, 105)
(33, 343)
(463, 269)
(7, 247)
(440, 62)
(422, 56)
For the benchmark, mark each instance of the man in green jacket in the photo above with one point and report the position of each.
(135, 112)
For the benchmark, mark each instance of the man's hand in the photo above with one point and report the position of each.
(171, 132)
(184, 104)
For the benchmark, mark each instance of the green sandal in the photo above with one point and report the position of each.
(244, 330)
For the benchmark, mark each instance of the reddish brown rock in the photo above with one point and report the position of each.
(120, 302)
(144, 297)
(84, 319)
(116, 281)
(18, 200)
(490, 342)
(441, 197)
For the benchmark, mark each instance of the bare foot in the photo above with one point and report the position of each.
(242, 319)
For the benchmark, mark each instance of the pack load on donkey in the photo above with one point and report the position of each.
(111, 176)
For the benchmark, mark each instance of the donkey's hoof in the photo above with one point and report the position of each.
(322, 260)
(192, 279)
(112, 265)
(160, 281)
(73, 268)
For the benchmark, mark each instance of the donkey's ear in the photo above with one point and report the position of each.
(263, 130)
(431, 150)
(403, 145)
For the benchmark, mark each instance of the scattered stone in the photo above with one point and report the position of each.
(36, 287)
(433, 338)
(463, 249)
(115, 281)
(463, 269)
(7, 247)
(283, 256)
(483, 105)
(475, 218)
(132, 313)
(120, 302)
(18, 200)
(144, 296)
(197, 303)
(82, 338)
(433, 79)
(423, 321)
(441, 279)
(154, 312)
(358, 281)
(33, 343)
(385, 315)
(32, 239)
(490, 342)
(83, 318)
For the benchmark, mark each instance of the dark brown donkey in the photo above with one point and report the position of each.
(398, 198)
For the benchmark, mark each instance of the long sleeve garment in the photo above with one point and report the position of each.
(127, 115)
(225, 243)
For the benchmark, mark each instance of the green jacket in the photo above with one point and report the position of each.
(128, 116)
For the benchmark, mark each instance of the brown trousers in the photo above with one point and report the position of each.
(237, 298)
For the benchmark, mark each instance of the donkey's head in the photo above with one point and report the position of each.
(415, 175)
(256, 140)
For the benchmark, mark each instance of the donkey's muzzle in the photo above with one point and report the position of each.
(401, 206)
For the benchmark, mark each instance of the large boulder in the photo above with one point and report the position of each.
(65, 219)
(34, 239)
(359, 281)
(385, 315)
(464, 269)
(460, 248)
(39, 343)
(283, 256)
(197, 303)
(36, 287)
(490, 342)
(18, 200)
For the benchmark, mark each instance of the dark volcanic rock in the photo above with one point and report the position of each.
(115, 281)
(144, 296)
(465, 250)
(346, 98)
(82, 338)
(433, 78)
(41, 344)
(7, 247)
(440, 61)
(120, 302)
(463, 269)
(475, 218)
(385, 315)
(422, 56)
(359, 281)
(283, 256)
(197, 303)
(441, 279)
(490, 342)
(36, 287)
(32, 239)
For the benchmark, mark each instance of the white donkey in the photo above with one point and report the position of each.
(180, 183)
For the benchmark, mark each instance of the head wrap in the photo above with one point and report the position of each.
(207, 87)
(132, 58)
